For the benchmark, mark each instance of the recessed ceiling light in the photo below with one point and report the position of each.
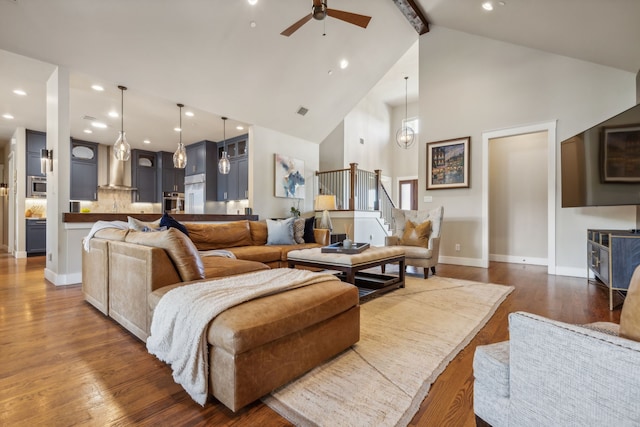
(189, 113)
(113, 114)
(344, 64)
(177, 129)
(252, 2)
(252, 24)
(330, 72)
(8, 116)
(487, 6)
(97, 88)
(146, 141)
(19, 92)
(98, 125)
(88, 131)
(240, 127)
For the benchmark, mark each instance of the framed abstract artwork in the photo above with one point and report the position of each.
(448, 164)
(289, 177)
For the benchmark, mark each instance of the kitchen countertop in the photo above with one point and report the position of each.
(95, 216)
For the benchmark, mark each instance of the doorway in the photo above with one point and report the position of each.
(546, 170)
(408, 194)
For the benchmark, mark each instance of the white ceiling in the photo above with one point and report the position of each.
(204, 53)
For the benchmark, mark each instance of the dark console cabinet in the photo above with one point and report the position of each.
(36, 236)
(612, 256)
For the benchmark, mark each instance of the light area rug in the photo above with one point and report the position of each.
(407, 338)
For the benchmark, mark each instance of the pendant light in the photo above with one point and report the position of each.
(224, 165)
(180, 156)
(122, 149)
(405, 136)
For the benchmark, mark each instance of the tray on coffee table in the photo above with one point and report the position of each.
(338, 248)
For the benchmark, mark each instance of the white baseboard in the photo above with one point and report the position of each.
(20, 254)
(572, 272)
(469, 262)
(518, 259)
(62, 279)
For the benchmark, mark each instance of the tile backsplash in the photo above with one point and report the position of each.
(118, 201)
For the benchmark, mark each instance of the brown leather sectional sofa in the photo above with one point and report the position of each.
(126, 272)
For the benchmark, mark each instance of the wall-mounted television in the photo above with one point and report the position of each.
(601, 166)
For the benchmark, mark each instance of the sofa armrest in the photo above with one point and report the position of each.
(322, 236)
(562, 374)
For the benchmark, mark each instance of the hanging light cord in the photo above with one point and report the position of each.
(121, 109)
(180, 106)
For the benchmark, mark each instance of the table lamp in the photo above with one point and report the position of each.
(325, 203)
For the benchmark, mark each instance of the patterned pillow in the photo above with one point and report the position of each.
(298, 230)
(416, 235)
(136, 224)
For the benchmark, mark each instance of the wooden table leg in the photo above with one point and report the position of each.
(402, 261)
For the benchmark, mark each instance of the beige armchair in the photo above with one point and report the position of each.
(421, 246)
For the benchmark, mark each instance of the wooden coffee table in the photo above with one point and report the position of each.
(350, 267)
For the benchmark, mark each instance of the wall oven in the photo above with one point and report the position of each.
(36, 186)
(173, 202)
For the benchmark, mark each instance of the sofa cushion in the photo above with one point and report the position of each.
(170, 222)
(180, 248)
(309, 225)
(263, 320)
(416, 234)
(219, 235)
(221, 267)
(298, 230)
(280, 231)
(116, 234)
(136, 224)
(259, 232)
(265, 254)
(630, 314)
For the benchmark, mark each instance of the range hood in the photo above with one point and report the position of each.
(116, 173)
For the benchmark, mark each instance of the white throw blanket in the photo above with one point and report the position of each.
(99, 225)
(181, 318)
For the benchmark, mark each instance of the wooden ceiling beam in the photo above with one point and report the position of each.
(414, 15)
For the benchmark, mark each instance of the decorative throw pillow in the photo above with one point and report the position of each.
(179, 247)
(309, 225)
(136, 224)
(630, 314)
(416, 235)
(298, 230)
(170, 222)
(280, 232)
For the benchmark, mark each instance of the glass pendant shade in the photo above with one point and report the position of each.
(180, 157)
(224, 165)
(122, 149)
(405, 136)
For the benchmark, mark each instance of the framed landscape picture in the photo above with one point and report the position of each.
(621, 154)
(448, 164)
(289, 177)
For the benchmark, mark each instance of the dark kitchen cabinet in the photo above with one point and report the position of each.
(36, 142)
(200, 157)
(144, 176)
(36, 236)
(235, 185)
(170, 179)
(84, 170)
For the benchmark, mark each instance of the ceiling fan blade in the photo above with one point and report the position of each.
(292, 29)
(352, 18)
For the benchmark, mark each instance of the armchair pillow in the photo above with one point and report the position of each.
(416, 234)
(280, 232)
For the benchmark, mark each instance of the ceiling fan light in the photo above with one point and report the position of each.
(320, 12)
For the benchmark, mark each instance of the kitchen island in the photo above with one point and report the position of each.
(78, 226)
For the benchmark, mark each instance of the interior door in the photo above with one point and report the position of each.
(408, 194)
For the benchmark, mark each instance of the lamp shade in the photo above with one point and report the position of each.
(325, 202)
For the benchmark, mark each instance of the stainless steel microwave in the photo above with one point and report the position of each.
(36, 186)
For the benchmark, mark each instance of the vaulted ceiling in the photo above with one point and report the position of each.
(221, 57)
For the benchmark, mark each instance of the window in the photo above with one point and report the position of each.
(413, 123)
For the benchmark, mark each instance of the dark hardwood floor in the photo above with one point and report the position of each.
(64, 363)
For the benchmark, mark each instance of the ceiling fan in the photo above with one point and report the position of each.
(320, 11)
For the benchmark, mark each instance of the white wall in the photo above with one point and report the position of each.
(332, 150)
(265, 143)
(405, 161)
(471, 84)
(518, 199)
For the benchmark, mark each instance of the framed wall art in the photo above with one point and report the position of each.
(621, 154)
(448, 164)
(289, 177)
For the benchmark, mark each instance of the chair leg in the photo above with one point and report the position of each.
(426, 272)
(383, 267)
(433, 270)
(481, 423)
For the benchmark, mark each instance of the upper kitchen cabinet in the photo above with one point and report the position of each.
(36, 142)
(84, 170)
(235, 185)
(170, 179)
(199, 156)
(144, 176)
